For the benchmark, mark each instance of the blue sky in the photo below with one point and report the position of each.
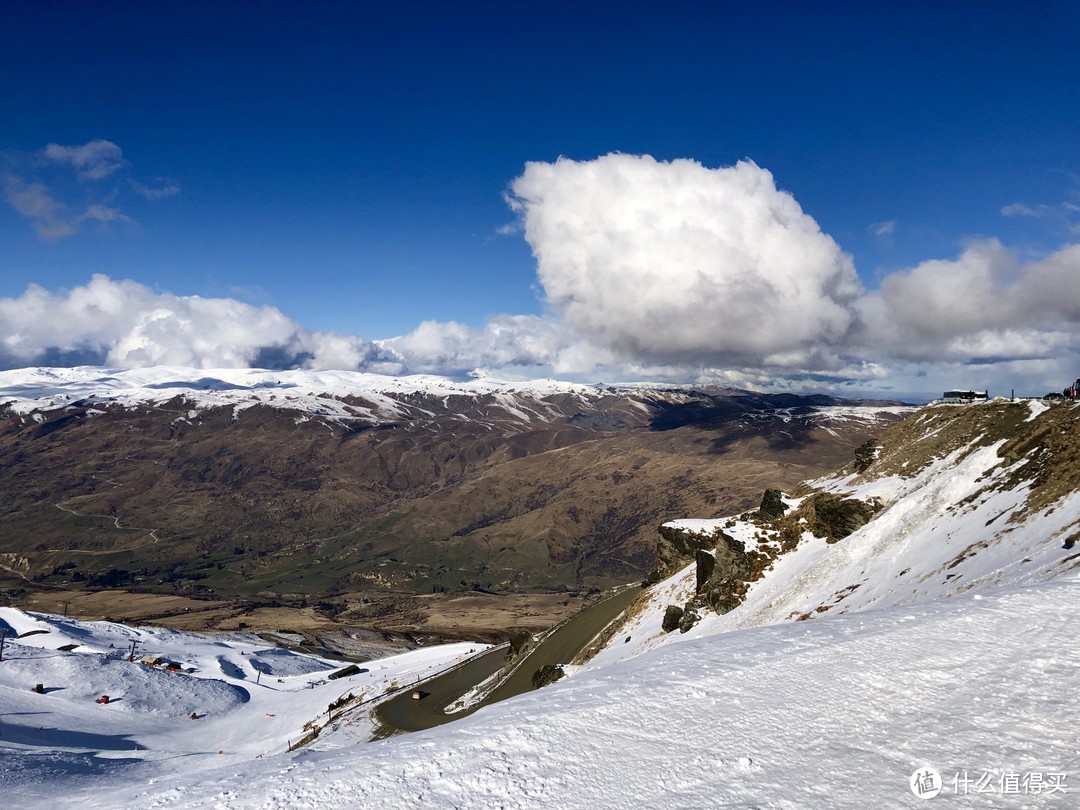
(346, 163)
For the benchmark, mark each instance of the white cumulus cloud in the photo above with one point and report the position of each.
(124, 323)
(674, 262)
(985, 304)
(504, 341)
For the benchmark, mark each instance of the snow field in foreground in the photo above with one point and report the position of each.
(837, 713)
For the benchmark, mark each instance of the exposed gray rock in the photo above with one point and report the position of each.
(672, 616)
(865, 454)
(772, 505)
(676, 546)
(835, 517)
(730, 558)
(549, 673)
(690, 617)
(706, 563)
(722, 598)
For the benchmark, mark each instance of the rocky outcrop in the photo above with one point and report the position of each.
(865, 454)
(772, 505)
(677, 545)
(730, 573)
(690, 617)
(547, 674)
(834, 517)
(724, 568)
(706, 564)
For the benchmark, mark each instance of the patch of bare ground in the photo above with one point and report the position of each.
(473, 617)
(432, 618)
(261, 502)
(1043, 452)
(162, 610)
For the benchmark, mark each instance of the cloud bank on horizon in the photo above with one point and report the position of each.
(649, 269)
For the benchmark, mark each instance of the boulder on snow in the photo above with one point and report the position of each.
(690, 617)
(672, 617)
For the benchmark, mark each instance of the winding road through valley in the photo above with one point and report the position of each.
(402, 713)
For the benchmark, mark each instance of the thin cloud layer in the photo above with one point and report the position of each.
(678, 263)
(60, 188)
(95, 160)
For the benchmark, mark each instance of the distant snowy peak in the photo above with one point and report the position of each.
(348, 396)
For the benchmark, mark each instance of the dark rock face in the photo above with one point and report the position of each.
(672, 617)
(547, 674)
(835, 517)
(726, 585)
(678, 545)
(865, 454)
(772, 505)
(730, 559)
(706, 563)
(690, 617)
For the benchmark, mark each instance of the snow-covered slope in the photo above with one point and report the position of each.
(966, 498)
(317, 392)
(835, 713)
(251, 699)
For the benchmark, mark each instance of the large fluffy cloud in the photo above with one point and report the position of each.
(126, 324)
(985, 304)
(676, 262)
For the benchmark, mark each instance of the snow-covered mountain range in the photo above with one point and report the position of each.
(343, 396)
(902, 628)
